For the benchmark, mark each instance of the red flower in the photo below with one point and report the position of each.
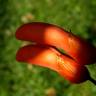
(48, 38)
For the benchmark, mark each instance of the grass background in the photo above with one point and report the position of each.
(19, 79)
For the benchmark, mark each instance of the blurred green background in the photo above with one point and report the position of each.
(19, 79)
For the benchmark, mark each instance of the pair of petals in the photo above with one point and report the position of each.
(42, 54)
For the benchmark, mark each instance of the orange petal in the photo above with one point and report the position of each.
(38, 55)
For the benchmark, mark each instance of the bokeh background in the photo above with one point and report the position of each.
(20, 79)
